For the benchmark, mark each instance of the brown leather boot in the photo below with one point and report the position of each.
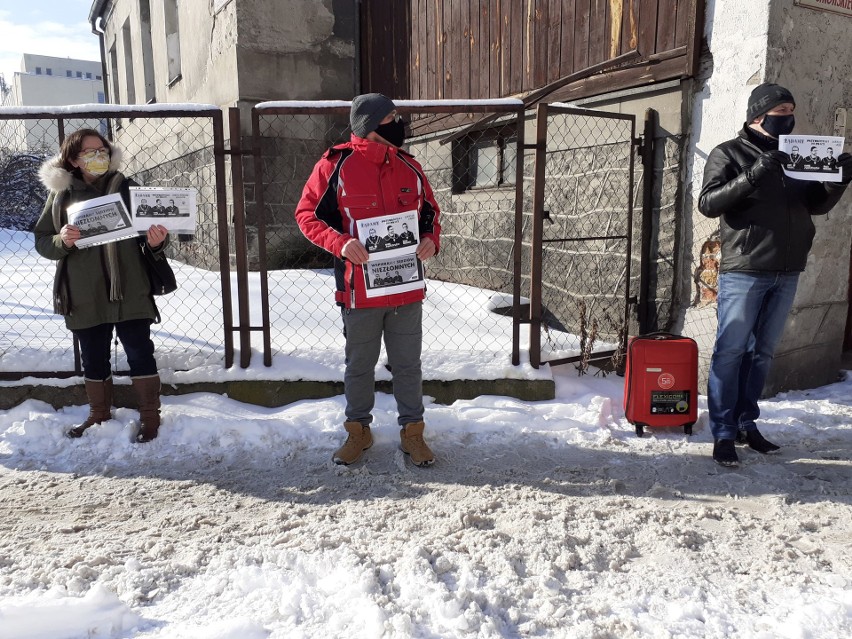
(148, 393)
(413, 444)
(99, 394)
(360, 439)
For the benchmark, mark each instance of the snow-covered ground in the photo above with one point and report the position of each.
(539, 519)
(543, 519)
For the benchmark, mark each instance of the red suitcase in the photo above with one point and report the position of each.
(661, 382)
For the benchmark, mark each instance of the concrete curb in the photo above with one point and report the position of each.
(272, 393)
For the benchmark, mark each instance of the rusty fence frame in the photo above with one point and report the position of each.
(110, 113)
(543, 111)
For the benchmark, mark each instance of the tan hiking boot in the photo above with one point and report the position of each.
(413, 444)
(360, 439)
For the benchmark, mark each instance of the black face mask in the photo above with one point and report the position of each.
(776, 125)
(393, 131)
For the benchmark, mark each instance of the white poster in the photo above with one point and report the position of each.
(812, 157)
(391, 241)
(390, 235)
(174, 208)
(101, 220)
(395, 275)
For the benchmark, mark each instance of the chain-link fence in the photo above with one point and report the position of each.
(159, 148)
(551, 220)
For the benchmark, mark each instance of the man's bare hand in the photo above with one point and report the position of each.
(355, 252)
(426, 249)
(156, 235)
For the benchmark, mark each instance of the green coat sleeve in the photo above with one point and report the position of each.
(47, 240)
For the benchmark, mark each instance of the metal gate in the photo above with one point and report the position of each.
(582, 230)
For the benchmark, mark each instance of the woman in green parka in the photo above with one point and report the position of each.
(101, 289)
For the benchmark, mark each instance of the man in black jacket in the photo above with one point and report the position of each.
(766, 232)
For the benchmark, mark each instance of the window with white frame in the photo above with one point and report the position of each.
(113, 77)
(170, 11)
(147, 50)
(129, 83)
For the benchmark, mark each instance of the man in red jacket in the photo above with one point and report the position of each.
(372, 177)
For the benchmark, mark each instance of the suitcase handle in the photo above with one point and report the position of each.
(659, 335)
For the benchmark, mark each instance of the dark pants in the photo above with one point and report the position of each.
(135, 337)
(402, 328)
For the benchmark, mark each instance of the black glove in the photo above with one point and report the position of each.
(767, 164)
(844, 161)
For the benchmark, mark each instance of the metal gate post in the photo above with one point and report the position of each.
(629, 248)
(222, 216)
(260, 216)
(518, 248)
(240, 242)
(647, 152)
(536, 256)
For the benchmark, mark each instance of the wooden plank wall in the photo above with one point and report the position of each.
(427, 49)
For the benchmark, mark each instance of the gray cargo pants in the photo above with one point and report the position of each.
(402, 327)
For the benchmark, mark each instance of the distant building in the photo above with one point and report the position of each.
(49, 81)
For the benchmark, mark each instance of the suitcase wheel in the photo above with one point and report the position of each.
(687, 428)
(639, 430)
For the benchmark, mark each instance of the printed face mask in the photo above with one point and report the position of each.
(776, 125)
(393, 131)
(95, 162)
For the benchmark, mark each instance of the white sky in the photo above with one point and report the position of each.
(547, 519)
(45, 27)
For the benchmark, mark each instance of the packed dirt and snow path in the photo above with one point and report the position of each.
(548, 519)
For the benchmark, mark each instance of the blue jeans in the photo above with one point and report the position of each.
(752, 310)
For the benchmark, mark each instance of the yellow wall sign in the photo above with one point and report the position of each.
(843, 7)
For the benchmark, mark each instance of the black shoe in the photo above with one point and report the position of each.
(741, 439)
(758, 442)
(725, 454)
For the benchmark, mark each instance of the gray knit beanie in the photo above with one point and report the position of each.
(766, 97)
(368, 111)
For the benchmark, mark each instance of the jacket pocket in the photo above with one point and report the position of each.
(359, 206)
(749, 241)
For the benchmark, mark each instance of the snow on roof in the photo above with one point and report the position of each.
(72, 109)
(410, 104)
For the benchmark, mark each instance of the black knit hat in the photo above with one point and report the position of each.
(766, 97)
(368, 111)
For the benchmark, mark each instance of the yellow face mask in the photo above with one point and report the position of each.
(95, 162)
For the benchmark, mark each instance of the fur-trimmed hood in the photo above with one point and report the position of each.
(56, 178)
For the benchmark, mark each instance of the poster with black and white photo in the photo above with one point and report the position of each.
(396, 275)
(101, 220)
(174, 208)
(812, 157)
(390, 235)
